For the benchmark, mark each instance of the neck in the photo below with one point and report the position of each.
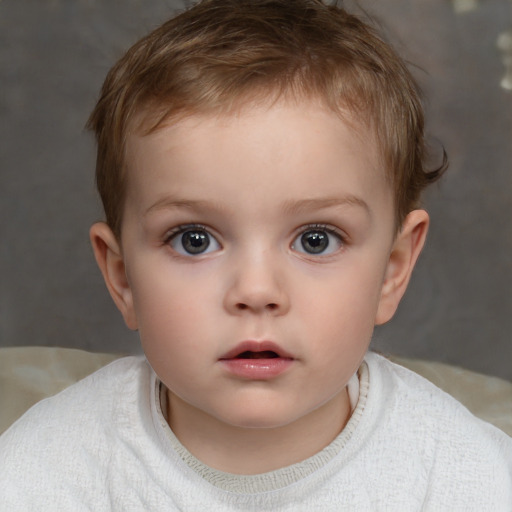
(249, 451)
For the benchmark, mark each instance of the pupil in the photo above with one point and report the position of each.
(195, 242)
(315, 242)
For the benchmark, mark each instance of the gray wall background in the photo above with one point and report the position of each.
(54, 55)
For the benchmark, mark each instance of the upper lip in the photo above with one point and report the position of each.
(256, 346)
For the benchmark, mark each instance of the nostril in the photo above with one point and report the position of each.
(272, 306)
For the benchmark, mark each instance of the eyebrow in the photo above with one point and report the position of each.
(168, 203)
(306, 205)
(290, 206)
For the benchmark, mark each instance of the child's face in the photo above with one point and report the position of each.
(259, 253)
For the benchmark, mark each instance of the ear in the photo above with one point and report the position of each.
(109, 258)
(404, 254)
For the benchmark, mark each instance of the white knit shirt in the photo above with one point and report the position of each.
(104, 444)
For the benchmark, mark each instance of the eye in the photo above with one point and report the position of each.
(318, 241)
(193, 240)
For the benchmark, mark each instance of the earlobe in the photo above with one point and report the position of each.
(109, 258)
(404, 254)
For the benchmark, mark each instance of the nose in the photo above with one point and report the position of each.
(257, 286)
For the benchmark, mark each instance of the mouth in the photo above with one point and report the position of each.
(257, 360)
(256, 350)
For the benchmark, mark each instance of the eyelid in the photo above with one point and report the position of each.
(171, 233)
(329, 228)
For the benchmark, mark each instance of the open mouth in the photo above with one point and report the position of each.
(254, 350)
(264, 354)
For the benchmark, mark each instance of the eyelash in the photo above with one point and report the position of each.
(323, 227)
(178, 230)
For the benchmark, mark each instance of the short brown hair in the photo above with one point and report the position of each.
(222, 53)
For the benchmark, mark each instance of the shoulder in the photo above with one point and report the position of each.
(409, 391)
(454, 448)
(60, 437)
(89, 396)
(88, 401)
(412, 399)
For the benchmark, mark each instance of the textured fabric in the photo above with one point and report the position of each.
(30, 374)
(103, 444)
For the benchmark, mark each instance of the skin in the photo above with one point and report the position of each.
(255, 182)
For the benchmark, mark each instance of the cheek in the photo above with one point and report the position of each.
(170, 306)
(340, 317)
(343, 300)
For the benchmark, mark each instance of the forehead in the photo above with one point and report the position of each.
(299, 148)
(261, 102)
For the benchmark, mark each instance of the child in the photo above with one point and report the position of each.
(260, 163)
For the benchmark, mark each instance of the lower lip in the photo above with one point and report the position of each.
(257, 369)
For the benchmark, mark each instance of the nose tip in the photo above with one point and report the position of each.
(257, 289)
